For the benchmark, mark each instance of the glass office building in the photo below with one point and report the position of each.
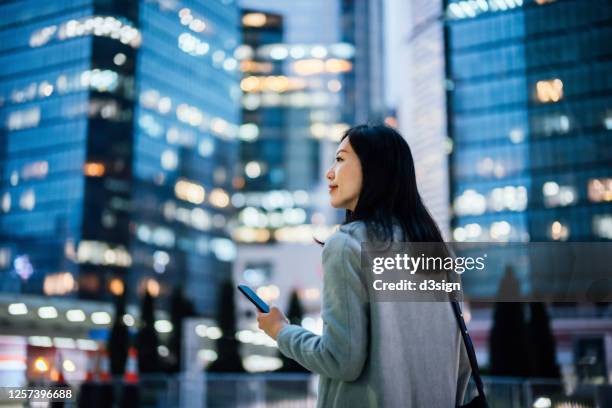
(415, 61)
(293, 96)
(119, 134)
(305, 83)
(529, 106)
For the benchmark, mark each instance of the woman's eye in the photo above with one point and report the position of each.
(338, 159)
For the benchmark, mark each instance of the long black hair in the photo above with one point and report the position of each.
(389, 191)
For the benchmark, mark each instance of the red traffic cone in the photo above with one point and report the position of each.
(104, 374)
(92, 362)
(57, 373)
(131, 371)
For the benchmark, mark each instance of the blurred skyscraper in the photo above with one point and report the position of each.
(507, 106)
(530, 112)
(305, 82)
(530, 102)
(119, 135)
(415, 67)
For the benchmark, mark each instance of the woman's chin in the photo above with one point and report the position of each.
(335, 204)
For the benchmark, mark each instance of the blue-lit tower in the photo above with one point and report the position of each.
(119, 125)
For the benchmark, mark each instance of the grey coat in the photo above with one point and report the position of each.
(377, 354)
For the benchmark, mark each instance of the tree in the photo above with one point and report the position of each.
(229, 359)
(543, 357)
(118, 342)
(147, 342)
(295, 313)
(508, 342)
(180, 308)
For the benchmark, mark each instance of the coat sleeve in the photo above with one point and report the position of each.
(340, 352)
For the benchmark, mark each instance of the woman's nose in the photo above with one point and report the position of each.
(330, 174)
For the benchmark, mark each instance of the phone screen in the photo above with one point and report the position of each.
(256, 300)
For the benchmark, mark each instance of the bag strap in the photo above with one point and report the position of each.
(469, 348)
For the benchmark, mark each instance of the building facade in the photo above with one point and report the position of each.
(119, 134)
(416, 67)
(529, 116)
(529, 105)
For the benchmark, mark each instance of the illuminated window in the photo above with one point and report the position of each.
(36, 170)
(469, 232)
(92, 169)
(549, 90)
(219, 198)
(169, 160)
(42, 36)
(249, 132)
(206, 148)
(6, 202)
(249, 234)
(192, 45)
(555, 124)
(318, 130)
(119, 59)
(224, 249)
(602, 226)
(485, 167)
(559, 231)
(508, 198)
(100, 80)
(268, 293)
(338, 65)
(100, 253)
(473, 8)
(308, 67)
(253, 169)
(243, 52)
(279, 52)
(189, 191)
(59, 284)
(253, 66)
(188, 19)
(600, 189)
(254, 20)
(470, 202)
(500, 231)
(337, 130)
(116, 286)
(27, 201)
(517, 135)
(45, 89)
(23, 119)
(608, 121)
(558, 196)
(151, 286)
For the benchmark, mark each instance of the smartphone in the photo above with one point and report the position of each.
(256, 300)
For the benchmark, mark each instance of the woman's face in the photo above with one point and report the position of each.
(344, 177)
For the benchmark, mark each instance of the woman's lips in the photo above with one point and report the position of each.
(332, 188)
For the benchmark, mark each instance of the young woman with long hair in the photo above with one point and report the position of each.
(372, 353)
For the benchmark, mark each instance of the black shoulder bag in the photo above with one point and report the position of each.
(481, 400)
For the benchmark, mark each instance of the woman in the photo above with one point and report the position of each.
(376, 354)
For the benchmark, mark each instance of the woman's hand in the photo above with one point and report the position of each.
(272, 323)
